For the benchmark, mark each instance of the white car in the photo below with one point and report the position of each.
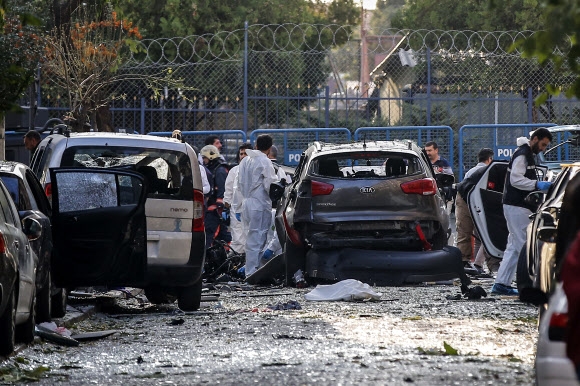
(553, 368)
(127, 211)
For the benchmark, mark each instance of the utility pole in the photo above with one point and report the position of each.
(364, 58)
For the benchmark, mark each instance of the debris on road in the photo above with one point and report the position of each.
(349, 290)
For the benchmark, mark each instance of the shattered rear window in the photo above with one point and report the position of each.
(167, 173)
(365, 164)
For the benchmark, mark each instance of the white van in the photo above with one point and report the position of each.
(127, 211)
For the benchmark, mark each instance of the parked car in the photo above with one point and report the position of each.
(563, 150)
(98, 236)
(29, 198)
(553, 367)
(17, 274)
(370, 211)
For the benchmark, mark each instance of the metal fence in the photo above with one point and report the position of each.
(321, 76)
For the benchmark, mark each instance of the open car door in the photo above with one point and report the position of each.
(99, 227)
(486, 208)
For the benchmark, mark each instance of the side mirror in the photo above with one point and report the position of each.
(547, 234)
(444, 180)
(32, 228)
(535, 199)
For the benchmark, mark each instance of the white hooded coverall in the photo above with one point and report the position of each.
(238, 243)
(255, 176)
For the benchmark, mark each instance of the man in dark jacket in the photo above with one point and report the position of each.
(215, 203)
(521, 179)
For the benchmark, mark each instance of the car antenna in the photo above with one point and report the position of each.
(365, 142)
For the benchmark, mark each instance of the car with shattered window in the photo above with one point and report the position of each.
(370, 211)
(127, 210)
(27, 193)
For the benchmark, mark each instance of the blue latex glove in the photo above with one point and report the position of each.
(268, 253)
(242, 271)
(543, 185)
(239, 217)
(225, 215)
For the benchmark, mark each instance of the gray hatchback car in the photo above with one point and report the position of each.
(371, 211)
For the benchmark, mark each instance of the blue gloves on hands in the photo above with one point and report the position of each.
(543, 185)
(268, 253)
(239, 217)
(225, 215)
(242, 271)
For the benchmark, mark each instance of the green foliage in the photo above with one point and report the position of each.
(473, 15)
(557, 45)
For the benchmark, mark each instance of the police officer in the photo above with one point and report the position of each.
(521, 179)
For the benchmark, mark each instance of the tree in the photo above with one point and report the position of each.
(558, 46)
(83, 60)
(20, 52)
(383, 13)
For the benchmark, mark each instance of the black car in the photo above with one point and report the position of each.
(30, 200)
(17, 273)
(371, 211)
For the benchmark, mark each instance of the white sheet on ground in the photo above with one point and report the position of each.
(349, 289)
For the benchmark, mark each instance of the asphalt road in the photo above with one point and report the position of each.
(412, 335)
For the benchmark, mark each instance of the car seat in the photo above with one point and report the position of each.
(395, 167)
(329, 168)
(152, 182)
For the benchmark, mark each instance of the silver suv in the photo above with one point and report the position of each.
(127, 211)
(370, 211)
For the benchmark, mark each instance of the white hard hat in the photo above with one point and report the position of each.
(210, 152)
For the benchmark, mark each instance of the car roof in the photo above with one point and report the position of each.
(394, 145)
(561, 129)
(13, 167)
(118, 139)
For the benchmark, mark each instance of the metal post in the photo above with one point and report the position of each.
(246, 77)
(530, 106)
(142, 123)
(428, 87)
(327, 106)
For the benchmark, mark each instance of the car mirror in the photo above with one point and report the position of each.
(547, 234)
(32, 228)
(535, 199)
(444, 180)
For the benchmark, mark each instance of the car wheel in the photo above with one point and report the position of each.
(8, 326)
(190, 297)
(43, 302)
(157, 295)
(58, 303)
(25, 331)
(523, 278)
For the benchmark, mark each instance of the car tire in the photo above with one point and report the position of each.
(157, 295)
(25, 331)
(189, 298)
(523, 278)
(8, 326)
(58, 303)
(43, 302)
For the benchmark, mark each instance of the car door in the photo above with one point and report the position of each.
(99, 227)
(486, 208)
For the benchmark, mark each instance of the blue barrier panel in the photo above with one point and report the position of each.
(230, 139)
(501, 138)
(292, 142)
(442, 135)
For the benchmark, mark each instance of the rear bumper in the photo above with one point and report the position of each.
(385, 267)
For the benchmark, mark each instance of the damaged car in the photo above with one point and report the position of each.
(370, 211)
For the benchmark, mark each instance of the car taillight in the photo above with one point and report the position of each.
(424, 187)
(48, 191)
(197, 225)
(557, 328)
(321, 188)
(2, 244)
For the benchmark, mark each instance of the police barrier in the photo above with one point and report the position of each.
(292, 142)
(501, 138)
(231, 140)
(442, 135)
